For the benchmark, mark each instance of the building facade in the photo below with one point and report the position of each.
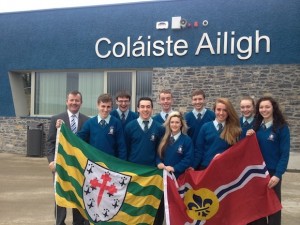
(228, 49)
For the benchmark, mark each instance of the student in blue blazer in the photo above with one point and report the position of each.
(273, 137)
(165, 100)
(175, 151)
(217, 136)
(143, 136)
(200, 115)
(123, 113)
(105, 132)
(247, 107)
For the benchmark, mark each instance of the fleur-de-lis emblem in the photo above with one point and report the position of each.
(200, 206)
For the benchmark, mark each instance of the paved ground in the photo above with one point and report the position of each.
(26, 192)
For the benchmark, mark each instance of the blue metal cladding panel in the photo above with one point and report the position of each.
(6, 101)
(66, 38)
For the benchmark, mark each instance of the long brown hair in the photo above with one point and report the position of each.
(166, 138)
(278, 118)
(232, 130)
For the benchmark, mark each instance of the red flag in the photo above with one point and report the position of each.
(232, 190)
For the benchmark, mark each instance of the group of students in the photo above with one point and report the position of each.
(174, 141)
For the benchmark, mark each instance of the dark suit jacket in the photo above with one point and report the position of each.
(52, 131)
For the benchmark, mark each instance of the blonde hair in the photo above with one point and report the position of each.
(232, 130)
(166, 138)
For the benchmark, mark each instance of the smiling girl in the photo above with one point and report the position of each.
(176, 150)
(273, 137)
(216, 136)
(247, 107)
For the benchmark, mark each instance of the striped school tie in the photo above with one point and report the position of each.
(73, 124)
(172, 140)
(102, 123)
(123, 117)
(220, 126)
(146, 125)
(199, 116)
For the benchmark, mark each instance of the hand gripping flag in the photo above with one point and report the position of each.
(105, 189)
(231, 191)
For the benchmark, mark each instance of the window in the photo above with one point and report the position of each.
(51, 88)
(144, 84)
(119, 81)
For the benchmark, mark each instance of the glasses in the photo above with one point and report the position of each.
(125, 101)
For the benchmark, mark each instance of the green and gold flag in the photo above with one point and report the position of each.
(105, 189)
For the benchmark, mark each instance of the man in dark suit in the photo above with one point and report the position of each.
(74, 120)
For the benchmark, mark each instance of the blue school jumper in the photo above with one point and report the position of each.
(142, 146)
(245, 127)
(131, 116)
(275, 148)
(208, 144)
(194, 125)
(108, 138)
(179, 155)
(158, 118)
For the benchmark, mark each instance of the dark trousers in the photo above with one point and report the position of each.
(160, 214)
(61, 214)
(274, 219)
(78, 219)
(261, 221)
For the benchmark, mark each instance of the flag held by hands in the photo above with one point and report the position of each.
(105, 189)
(232, 190)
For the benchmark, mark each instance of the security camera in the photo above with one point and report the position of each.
(183, 23)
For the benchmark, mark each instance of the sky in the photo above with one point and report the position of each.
(27, 5)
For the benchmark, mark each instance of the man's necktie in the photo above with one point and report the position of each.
(73, 124)
(166, 116)
(146, 125)
(102, 123)
(220, 127)
(123, 117)
(172, 140)
(199, 116)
